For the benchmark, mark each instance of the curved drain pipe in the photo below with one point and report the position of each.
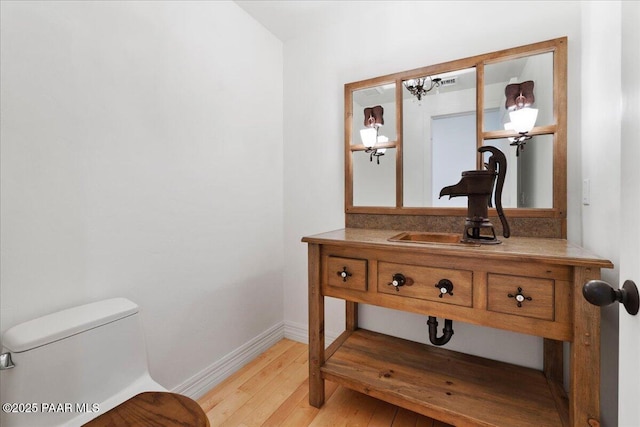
(447, 332)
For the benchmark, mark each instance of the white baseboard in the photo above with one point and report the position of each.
(196, 386)
(300, 332)
(199, 384)
(296, 332)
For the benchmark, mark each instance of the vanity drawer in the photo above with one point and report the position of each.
(347, 273)
(522, 296)
(422, 283)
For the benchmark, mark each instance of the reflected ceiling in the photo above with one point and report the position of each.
(500, 72)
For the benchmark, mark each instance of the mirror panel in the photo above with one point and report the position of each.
(374, 184)
(510, 190)
(529, 179)
(439, 136)
(537, 68)
(383, 95)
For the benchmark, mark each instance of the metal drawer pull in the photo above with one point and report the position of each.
(520, 297)
(397, 281)
(344, 274)
(445, 286)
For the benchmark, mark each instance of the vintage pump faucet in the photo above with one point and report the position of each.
(477, 185)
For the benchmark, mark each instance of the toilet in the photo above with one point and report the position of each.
(86, 365)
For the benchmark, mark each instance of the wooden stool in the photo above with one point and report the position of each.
(158, 409)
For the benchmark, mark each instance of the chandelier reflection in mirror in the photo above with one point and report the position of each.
(373, 120)
(420, 87)
(519, 98)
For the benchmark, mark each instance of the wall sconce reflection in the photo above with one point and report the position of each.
(373, 120)
(523, 117)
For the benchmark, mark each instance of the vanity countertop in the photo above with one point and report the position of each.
(553, 251)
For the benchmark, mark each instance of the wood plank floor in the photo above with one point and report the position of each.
(272, 390)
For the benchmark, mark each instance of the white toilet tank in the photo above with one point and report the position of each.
(74, 365)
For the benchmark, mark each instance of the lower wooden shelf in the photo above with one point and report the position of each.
(453, 387)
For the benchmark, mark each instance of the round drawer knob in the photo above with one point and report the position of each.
(445, 286)
(397, 281)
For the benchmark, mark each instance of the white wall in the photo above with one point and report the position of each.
(142, 157)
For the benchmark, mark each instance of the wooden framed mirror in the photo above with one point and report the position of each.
(435, 119)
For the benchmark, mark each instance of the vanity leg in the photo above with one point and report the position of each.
(584, 398)
(316, 329)
(351, 315)
(554, 371)
(553, 360)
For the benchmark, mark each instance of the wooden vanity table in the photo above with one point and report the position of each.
(526, 285)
